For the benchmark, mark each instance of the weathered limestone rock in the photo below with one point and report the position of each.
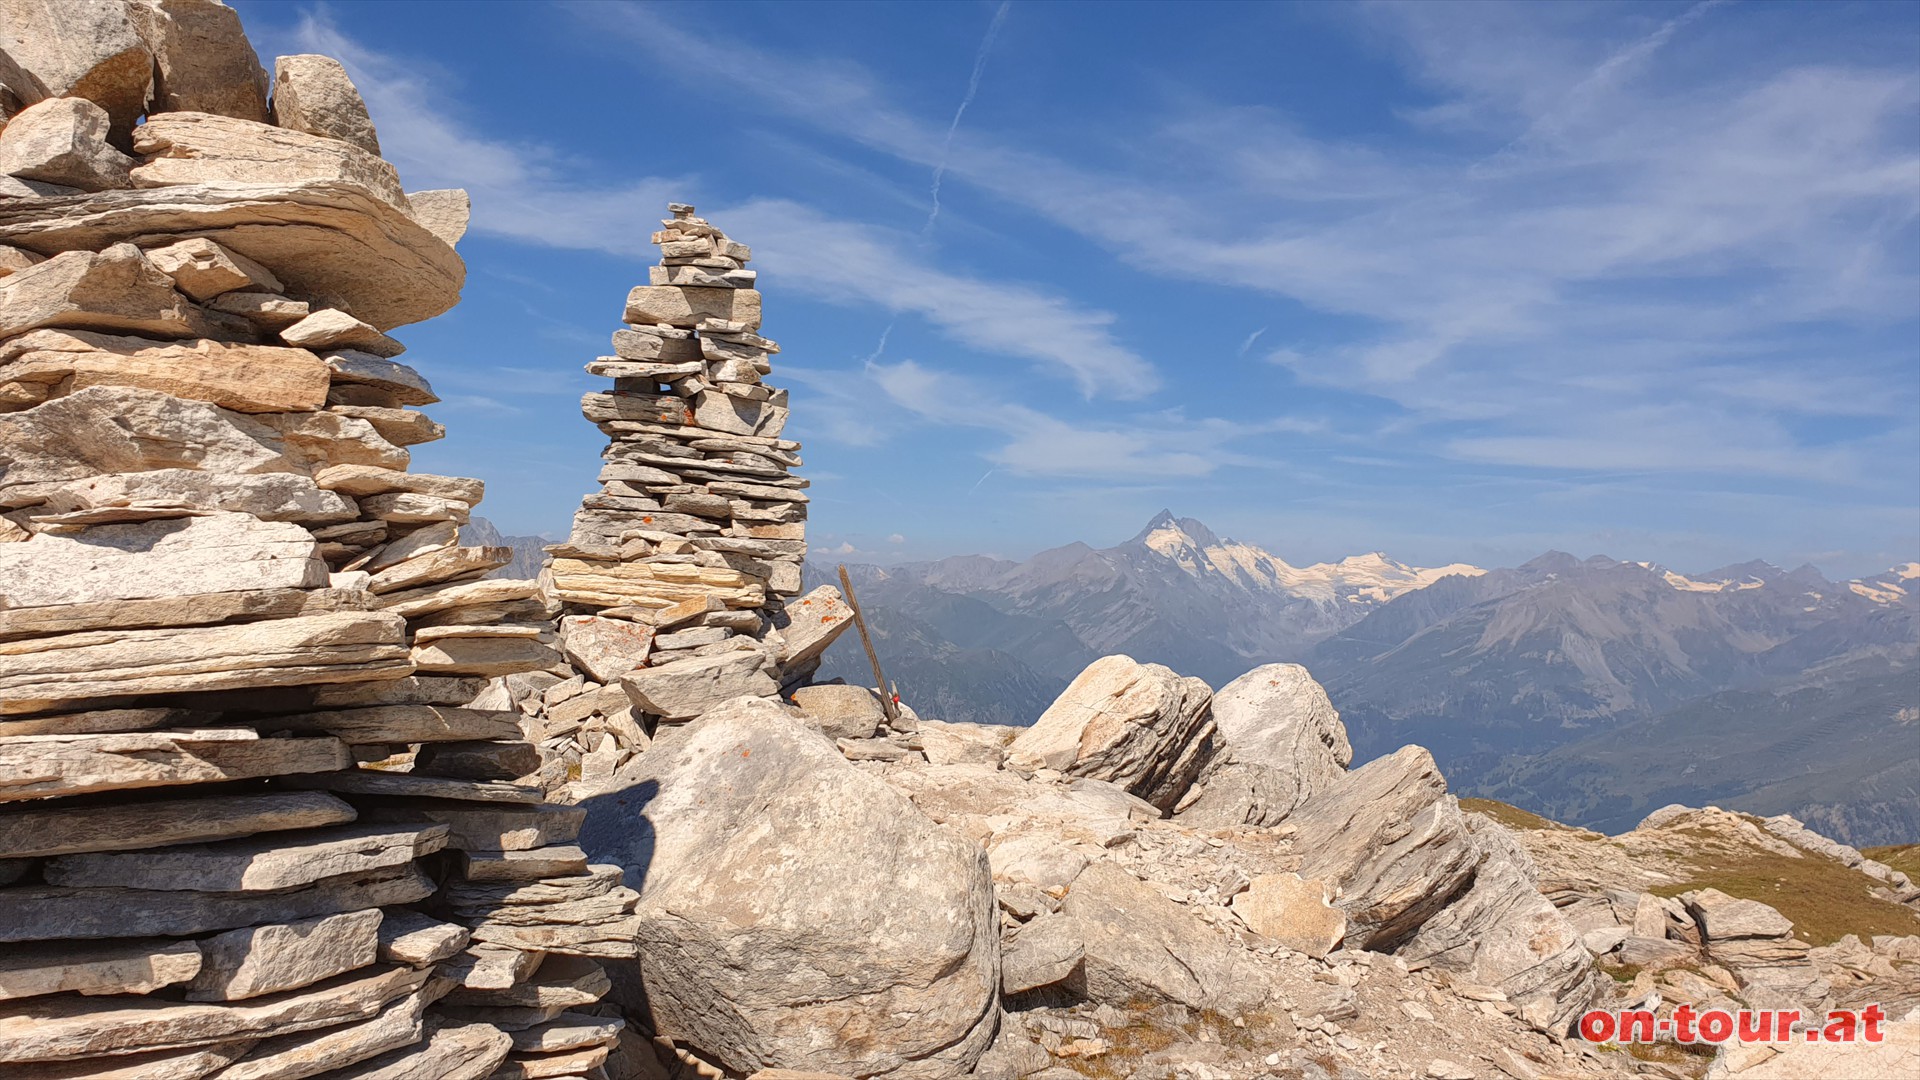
(444, 212)
(811, 623)
(52, 1029)
(487, 656)
(254, 863)
(653, 585)
(1727, 918)
(202, 60)
(117, 289)
(203, 148)
(1279, 741)
(1138, 725)
(311, 1053)
(313, 94)
(477, 827)
(37, 766)
(122, 429)
(376, 782)
(1391, 842)
(260, 960)
(79, 50)
(1140, 946)
(204, 270)
(244, 378)
(568, 1031)
(268, 312)
(337, 242)
(63, 141)
(54, 829)
(841, 712)
(453, 1051)
(674, 305)
(604, 648)
(37, 675)
(44, 913)
(121, 967)
(422, 723)
(890, 941)
(527, 864)
(1045, 951)
(408, 937)
(329, 328)
(1293, 912)
(683, 689)
(479, 760)
(177, 557)
(365, 369)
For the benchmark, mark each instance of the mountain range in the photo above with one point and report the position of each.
(1588, 690)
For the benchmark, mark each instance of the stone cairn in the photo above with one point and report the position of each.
(680, 580)
(262, 814)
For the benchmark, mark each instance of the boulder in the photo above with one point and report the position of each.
(1391, 842)
(204, 148)
(176, 557)
(1045, 951)
(1504, 933)
(1141, 947)
(244, 378)
(63, 141)
(808, 624)
(865, 919)
(1727, 918)
(202, 59)
(1278, 741)
(337, 243)
(313, 94)
(87, 51)
(842, 712)
(604, 648)
(117, 289)
(1140, 726)
(1292, 911)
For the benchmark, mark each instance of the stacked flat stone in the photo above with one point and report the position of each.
(680, 581)
(254, 824)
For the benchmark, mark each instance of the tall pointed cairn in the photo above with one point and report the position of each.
(266, 808)
(680, 583)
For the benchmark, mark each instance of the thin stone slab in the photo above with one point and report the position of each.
(106, 722)
(526, 865)
(38, 675)
(651, 585)
(611, 939)
(566, 981)
(559, 1066)
(568, 1031)
(505, 760)
(47, 913)
(203, 148)
(180, 557)
(205, 609)
(407, 386)
(491, 967)
(478, 827)
(610, 906)
(331, 241)
(413, 603)
(480, 900)
(489, 656)
(251, 864)
(239, 376)
(686, 307)
(445, 564)
(113, 967)
(38, 766)
(51, 1029)
(377, 782)
(53, 829)
(453, 1051)
(193, 1064)
(294, 1057)
(405, 724)
(258, 960)
(408, 937)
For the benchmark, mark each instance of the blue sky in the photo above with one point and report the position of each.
(1452, 282)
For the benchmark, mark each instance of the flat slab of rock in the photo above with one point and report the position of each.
(251, 864)
(47, 913)
(683, 689)
(1292, 911)
(204, 148)
(377, 782)
(334, 241)
(201, 609)
(37, 675)
(406, 723)
(408, 937)
(568, 1031)
(118, 967)
(180, 557)
(1042, 952)
(905, 969)
(652, 585)
(483, 828)
(604, 648)
(259, 960)
(453, 1051)
(810, 623)
(106, 429)
(687, 308)
(1279, 740)
(114, 289)
(38, 766)
(528, 864)
(51, 829)
(192, 1064)
(54, 1029)
(242, 377)
(1140, 726)
(841, 712)
(1140, 946)
(310, 1053)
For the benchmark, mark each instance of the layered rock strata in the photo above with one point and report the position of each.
(253, 822)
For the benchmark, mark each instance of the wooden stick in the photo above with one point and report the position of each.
(880, 683)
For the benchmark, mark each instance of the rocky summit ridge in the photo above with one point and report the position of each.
(293, 784)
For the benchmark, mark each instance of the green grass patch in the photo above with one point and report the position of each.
(1902, 857)
(1825, 899)
(1509, 815)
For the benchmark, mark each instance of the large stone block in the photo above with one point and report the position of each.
(203, 148)
(116, 289)
(202, 59)
(258, 960)
(245, 378)
(1140, 726)
(63, 141)
(178, 557)
(87, 51)
(313, 94)
(684, 307)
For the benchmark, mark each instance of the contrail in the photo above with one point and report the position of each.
(973, 87)
(1251, 338)
(878, 349)
(982, 480)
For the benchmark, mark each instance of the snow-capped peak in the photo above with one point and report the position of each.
(1372, 578)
